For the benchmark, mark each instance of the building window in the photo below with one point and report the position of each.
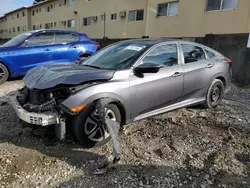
(221, 4)
(135, 15)
(87, 21)
(34, 27)
(23, 13)
(17, 15)
(62, 23)
(54, 24)
(102, 17)
(71, 2)
(18, 29)
(40, 10)
(47, 8)
(33, 13)
(37, 10)
(113, 16)
(41, 26)
(14, 29)
(71, 23)
(60, 2)
(47, 26)
(168, 9)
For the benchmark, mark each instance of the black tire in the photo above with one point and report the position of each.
(215, 94)
(82, 57)
(80, 125)
(4, 73)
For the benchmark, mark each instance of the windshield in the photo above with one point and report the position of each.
(16, 40)
(116, 57)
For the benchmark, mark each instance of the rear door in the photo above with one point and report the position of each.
(39, 50)
(198, 71)
(152, 91)
(67, 46)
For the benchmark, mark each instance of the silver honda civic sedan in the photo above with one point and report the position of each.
(140, 79)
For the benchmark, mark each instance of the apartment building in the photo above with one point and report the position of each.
(14, 23)
(118, 19)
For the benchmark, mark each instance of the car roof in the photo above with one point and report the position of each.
(55, 30)
(150, 41)
(154, 41)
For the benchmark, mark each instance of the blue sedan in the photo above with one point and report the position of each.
(34, 48)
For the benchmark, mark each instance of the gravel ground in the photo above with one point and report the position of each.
(186, 148)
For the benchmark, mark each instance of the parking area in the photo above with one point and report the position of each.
(187, 148)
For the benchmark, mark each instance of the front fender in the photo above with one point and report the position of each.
(9, 65)
(117, 91)
(77, 100)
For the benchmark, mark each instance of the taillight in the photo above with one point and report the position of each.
(97, 45)
(229, 61)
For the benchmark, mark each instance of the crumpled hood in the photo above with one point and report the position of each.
(51, 75)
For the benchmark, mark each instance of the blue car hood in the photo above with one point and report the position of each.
(52, 75)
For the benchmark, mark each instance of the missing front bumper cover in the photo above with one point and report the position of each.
(43, 119)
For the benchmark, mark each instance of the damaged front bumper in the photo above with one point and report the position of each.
(43, 119)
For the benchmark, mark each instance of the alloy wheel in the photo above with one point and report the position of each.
(216, 94)
(95, 129)
(2, 73)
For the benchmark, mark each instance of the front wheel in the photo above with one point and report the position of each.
(4, 73)
(89, 130)
(215, 94)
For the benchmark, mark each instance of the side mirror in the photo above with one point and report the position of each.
(147, 68)
(25, 44)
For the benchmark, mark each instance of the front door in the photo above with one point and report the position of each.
(152, 91)
(39, 50)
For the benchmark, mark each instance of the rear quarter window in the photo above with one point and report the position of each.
(209, 54)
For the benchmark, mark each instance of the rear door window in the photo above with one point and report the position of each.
(209, 54)
(64, 38)
(192, 53)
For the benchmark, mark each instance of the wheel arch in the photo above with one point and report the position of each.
(8, 68)
(113, 97)
(223, 79)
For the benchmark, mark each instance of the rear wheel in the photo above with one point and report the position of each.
(82, 57)
(89, 130)
(215, 94)
(4, 73)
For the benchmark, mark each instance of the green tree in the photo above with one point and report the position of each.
(37, 1)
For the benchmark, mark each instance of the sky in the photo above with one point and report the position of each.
(9, 5)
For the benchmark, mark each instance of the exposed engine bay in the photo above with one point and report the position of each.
(42, 100)
(34, 100)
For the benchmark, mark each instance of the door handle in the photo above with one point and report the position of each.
(209, 65)
(176, 74)
(47, 49)
(75, 46)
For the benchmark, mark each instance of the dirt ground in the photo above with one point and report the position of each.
(186, 148)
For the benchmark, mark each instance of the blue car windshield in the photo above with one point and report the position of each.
(18, 39)
(119, 56)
